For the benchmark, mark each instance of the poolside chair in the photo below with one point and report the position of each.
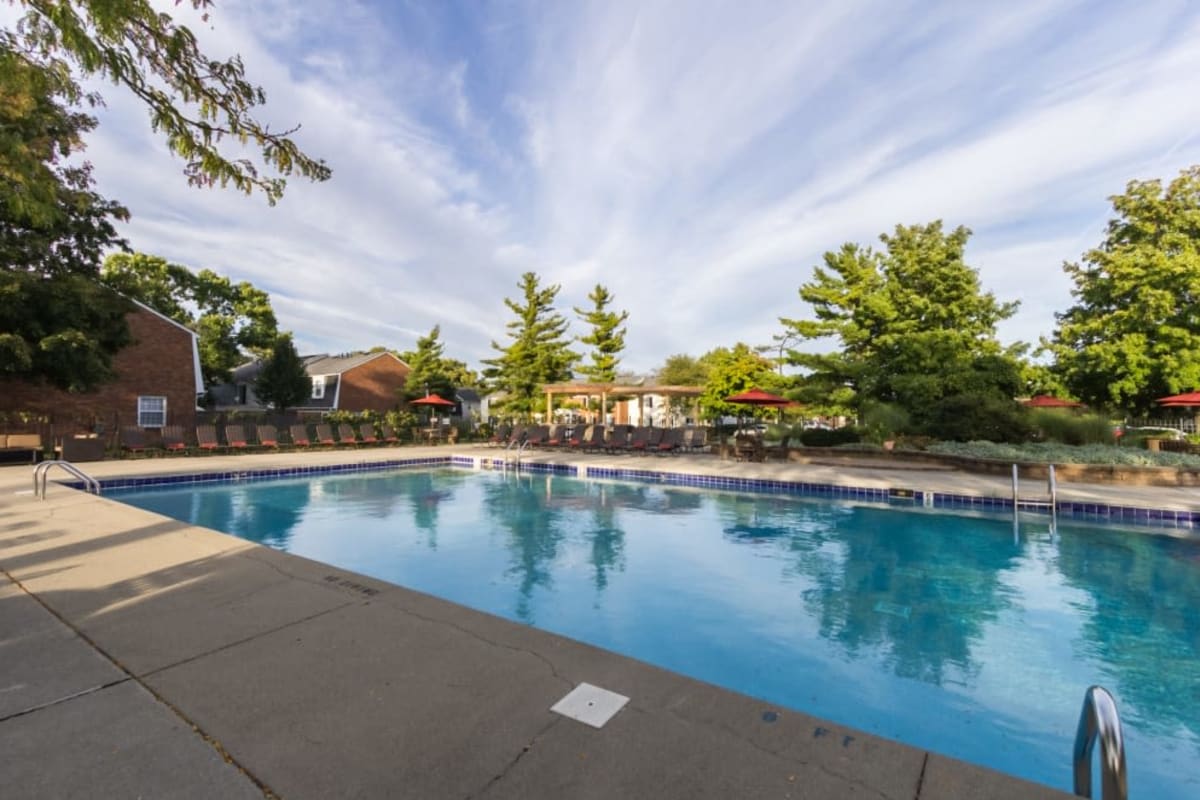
(593, 439)
(133, 440)
(387, 434)
(172, 439)
(325, 435)
(579, 436)
(617, 438)
(556, 436)
(268, 436)
(536, 436)
(235, 437)
(697, 442)
(671, 441)
(300, 435)
(206, 438)
(500, 435)
(637, 439)
(346, 434)
(366, 432)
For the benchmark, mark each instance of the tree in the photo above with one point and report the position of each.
(607, 336)
(912, 324)
(232, 320)
(731, 371)
(55, 323)
(1133, 334)
(682, 370)
(427, 369)
(539, 351)
(282, 382)
(195, 101)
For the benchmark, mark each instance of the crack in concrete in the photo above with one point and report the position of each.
(480, 637)
(64, 698)
(921, 779)
(252, 637)
(511, 765)
(225, 755)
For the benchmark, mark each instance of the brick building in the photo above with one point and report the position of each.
(360, 382)
(158, 379)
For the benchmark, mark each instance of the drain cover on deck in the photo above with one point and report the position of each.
(590, 705)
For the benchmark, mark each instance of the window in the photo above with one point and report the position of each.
(318, 387)
(152, 412)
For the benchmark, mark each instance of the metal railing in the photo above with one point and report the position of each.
(42, 470)
(1098, 720)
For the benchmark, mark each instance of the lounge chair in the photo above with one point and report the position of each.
(500, 436)
(387, 434)
(268, 436)
(206, 438)
(557, 435)
(235, 437)
(593, 440)
(346, 434)
(696, 440)
(172, 439)
(536, 436)
(579, 436)
(366, 432)
(617, 439)
(637, 439)
(671, 441)
(300, 435)
(325, 435)
(133, 439)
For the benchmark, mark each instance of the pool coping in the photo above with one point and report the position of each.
(1173, 521)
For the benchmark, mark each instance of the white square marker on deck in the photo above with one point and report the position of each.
(590, 705)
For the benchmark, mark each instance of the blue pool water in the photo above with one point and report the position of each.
(935, 629)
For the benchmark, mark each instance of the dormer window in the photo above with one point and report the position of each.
(318, 383)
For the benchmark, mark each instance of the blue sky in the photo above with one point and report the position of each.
(695, 157)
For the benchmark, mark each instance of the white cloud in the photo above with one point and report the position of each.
(695, 157)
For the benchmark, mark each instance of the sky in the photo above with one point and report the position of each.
(697, 158)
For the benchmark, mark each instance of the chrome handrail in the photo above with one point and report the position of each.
(90, 484)
(1099, 720)
(1052, 486)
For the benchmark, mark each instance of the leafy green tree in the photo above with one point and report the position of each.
(195, 101)
(231, 320)
(912, 325)
(56, 325)
(427, 365)
(682, 370)
(731, 371)
(461, 376)
(282, 382)
(539, 351)
(1133, 334)
(607, 336)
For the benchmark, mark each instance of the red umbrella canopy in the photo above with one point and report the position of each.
(432, 400)
(1180, 400)
(757, 397)
(1050, 401)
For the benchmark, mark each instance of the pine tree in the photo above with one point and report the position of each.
(427, 369)
(282, 382)
(539, 352)
(607, 337)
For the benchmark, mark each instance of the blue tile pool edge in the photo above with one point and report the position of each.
(1125, 515)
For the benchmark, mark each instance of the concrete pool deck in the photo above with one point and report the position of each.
(141, 656)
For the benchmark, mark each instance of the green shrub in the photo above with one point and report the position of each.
(1069, 428)
(883, 421)
(819, 437)
(1054, 453)
(977, 416)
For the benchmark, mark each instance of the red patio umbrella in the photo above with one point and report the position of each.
(431, 400)
(1050, 401)
(1184, 400)
(757, 397)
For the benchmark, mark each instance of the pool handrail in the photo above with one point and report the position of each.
(1098, 720)
(90, 484)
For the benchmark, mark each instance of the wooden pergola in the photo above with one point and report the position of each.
(606, 390)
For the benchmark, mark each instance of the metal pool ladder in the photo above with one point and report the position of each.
(1098, 720)
(90, 484)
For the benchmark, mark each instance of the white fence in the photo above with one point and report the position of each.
(1185, 424)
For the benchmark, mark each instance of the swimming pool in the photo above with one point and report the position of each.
(932, 628)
